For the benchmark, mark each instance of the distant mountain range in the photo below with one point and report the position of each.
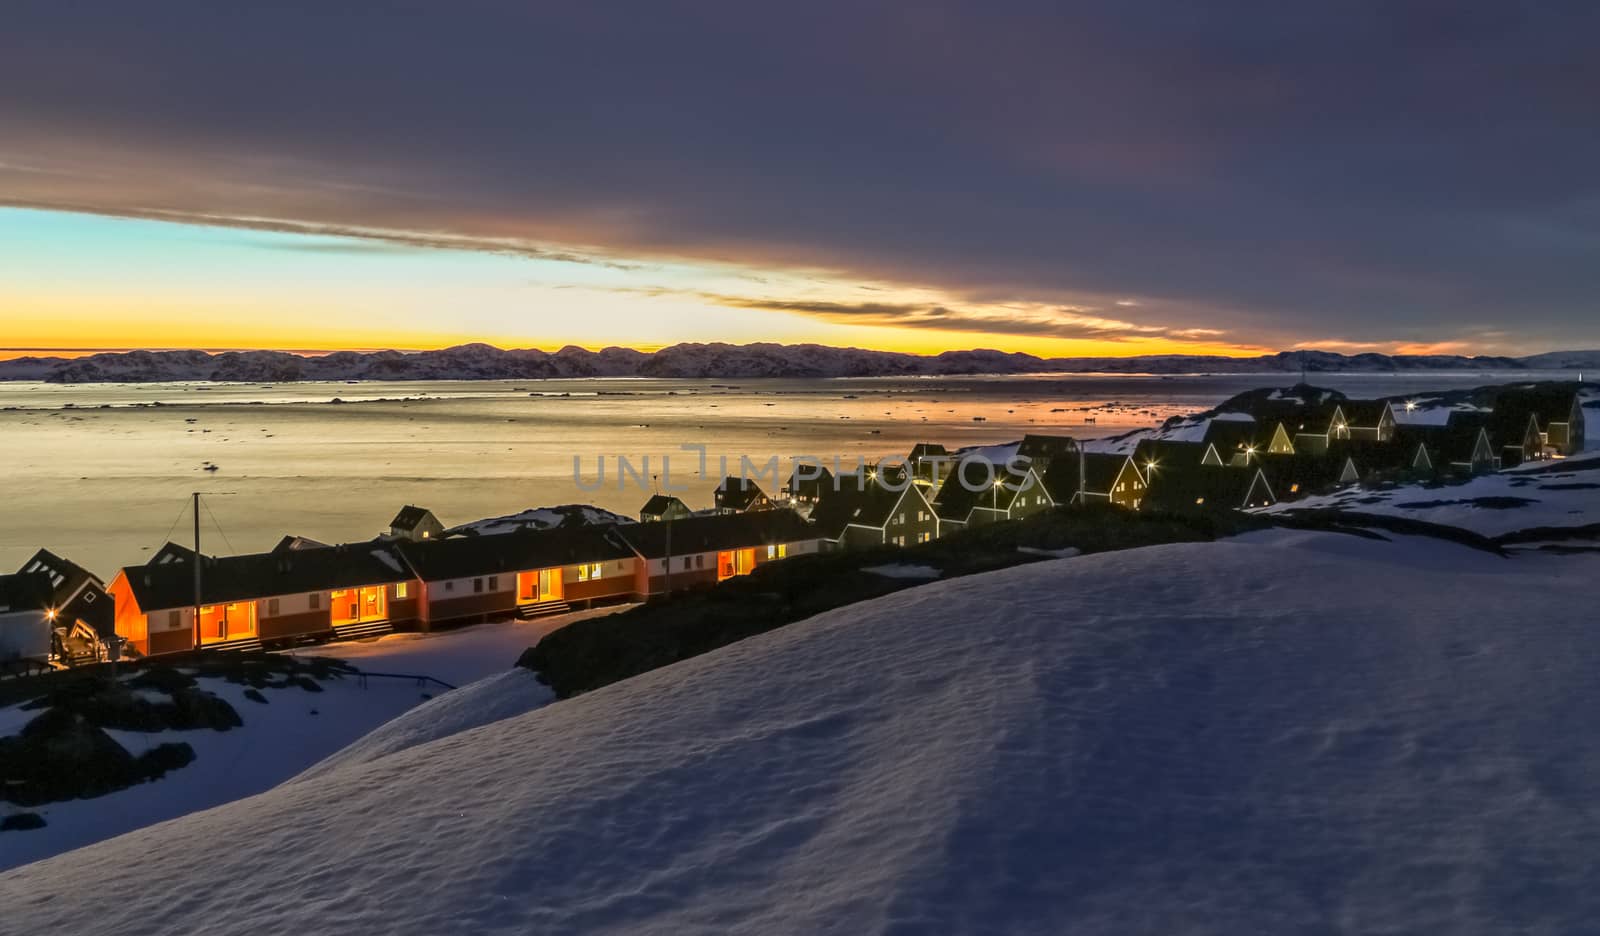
(484, 362)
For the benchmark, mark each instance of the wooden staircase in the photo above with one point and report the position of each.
(540, 609)
(360, 631)
(238, 644)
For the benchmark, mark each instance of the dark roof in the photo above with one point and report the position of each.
(1296, 417)
(1203, 488)
(1312, 472)
(955, 500)
(925, 450)
(809, 487)
(1100, 470)
(1169, 454)
(852, 501)
(738, 493)
(296, 544)
(1233, 436)
(170, 553)
(1100, 474)
(65, 576)
(659, 504)
(1550, 404)
(26, 591)
(1046, 446)
(1364, 414)
(1452, 442)
(1371, 455)
(518, 551)
(708, 533)
(1511, 423)
(261, 575)
(408, 517)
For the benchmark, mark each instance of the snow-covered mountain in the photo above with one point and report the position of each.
(484, 362)
(1282, 733)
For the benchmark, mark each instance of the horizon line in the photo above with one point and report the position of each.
(11, 353)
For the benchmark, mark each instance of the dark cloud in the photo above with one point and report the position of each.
(1040, 322)
(1356, 171)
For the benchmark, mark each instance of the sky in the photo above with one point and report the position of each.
(1062, 178)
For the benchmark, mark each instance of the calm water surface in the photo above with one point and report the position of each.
(102, 474)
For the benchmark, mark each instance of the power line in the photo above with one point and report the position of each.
(214, 523)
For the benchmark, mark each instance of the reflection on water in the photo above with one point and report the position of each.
(101, 472)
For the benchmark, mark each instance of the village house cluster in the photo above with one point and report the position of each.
(421, 574)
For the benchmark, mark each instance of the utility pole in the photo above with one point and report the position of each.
(669, 553)
(196, 508)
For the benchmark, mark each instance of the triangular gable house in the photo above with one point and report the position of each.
(862, 513)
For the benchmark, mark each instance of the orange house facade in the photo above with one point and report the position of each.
(262, 599)
(526, 573)
(699, 552)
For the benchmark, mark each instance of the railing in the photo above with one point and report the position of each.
(361, 677)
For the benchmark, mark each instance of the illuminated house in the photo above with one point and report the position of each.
(1239, 443)
(928, 460)
(704, 550)
(82, 618)
(25, 621)
(663, 507)
(741, 495)
(1096, 476)
(970, 496)
(1462, 445)
(803, 489)
(1293, 476)
(1368, 420)
(1538, 421)
(524, 572)
(1310, 427)
(262, 599)
(415, 524)
(863, 512)
(1210, 488)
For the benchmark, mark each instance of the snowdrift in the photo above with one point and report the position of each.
(1284, 733)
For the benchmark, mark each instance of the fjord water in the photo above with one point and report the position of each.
(102, 472)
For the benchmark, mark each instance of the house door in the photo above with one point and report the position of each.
(372, 604)
(549, 584)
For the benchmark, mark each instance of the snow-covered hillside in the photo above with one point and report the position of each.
(1563, 493)
(1284, 733)
(294, 729)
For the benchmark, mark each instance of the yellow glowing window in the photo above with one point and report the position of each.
(400, 589)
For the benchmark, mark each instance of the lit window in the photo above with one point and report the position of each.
(772, 552)
(783, 550)
(401, 589)
(1199, 500)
